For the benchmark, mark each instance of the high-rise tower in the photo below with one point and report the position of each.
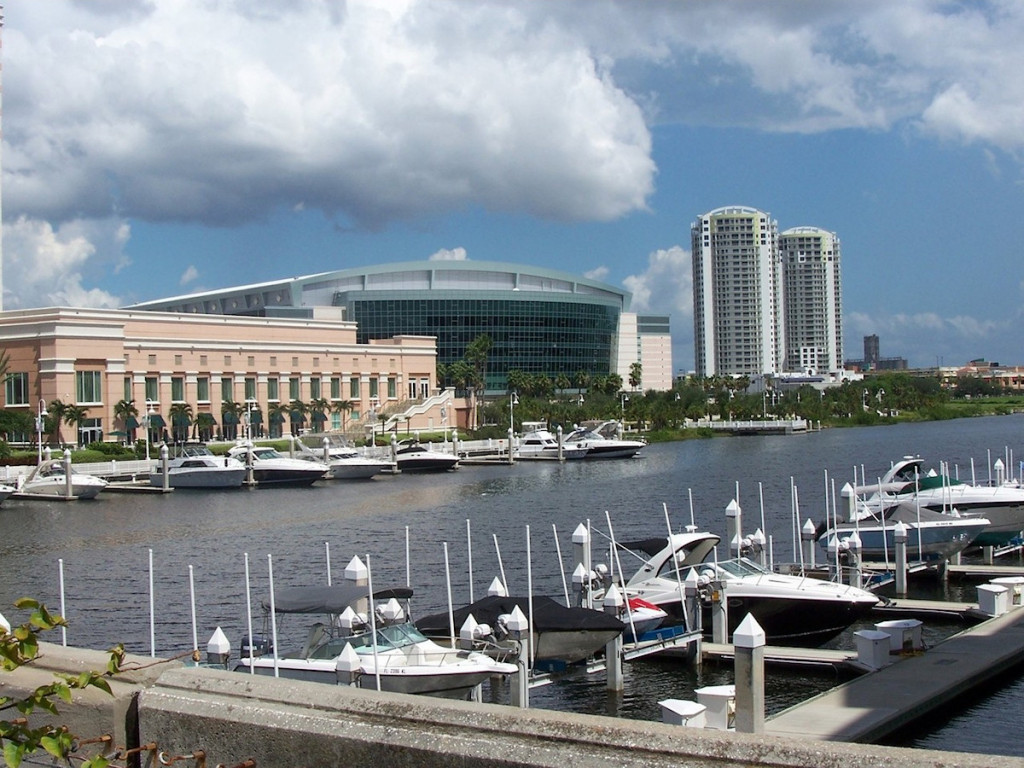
(738, 325)
(813, 306)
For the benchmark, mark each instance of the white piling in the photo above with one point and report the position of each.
(469, 557)
(152, 610)
(734, 526)
(248, 614)
(327, 554)
(855, 579)
(218, 648)
(613, 604)
(165, 468)
(581, 555)
(273, 615)
(451, 604)
(561, 566)
(748, 666)
(372, 613)
(518, 627)
(63, 609)
(900, 537)
(807, 538)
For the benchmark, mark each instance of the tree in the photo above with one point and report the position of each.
(581, 379)
(343, 407)
(205, 423)
(181, 420)
(74, 415)
(318, 409)
(636, 375)
(123, 411)
(20, 647)
(477, 353)
(230, 415)
(57, 410)
(277, 414)
(562, 382)
(297, 411)
(442, 375)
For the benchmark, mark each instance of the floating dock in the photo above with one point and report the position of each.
(872, 706)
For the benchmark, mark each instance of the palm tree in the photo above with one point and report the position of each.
(58, 410)
(277, 413)
(343, 407)
(230, 414)
(74, 415)
(297, 411)
(318, 409)
(181, 420)
(205, 423)
(126, 412)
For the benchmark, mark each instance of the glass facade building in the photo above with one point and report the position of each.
(540, 321)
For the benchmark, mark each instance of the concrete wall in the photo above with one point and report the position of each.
(234, 717)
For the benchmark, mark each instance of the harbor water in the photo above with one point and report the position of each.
(479, 520)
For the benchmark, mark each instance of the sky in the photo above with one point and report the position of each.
(153, 148)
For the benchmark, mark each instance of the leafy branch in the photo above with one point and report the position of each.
(20, 647)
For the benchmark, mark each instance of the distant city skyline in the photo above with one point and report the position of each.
(160, 148)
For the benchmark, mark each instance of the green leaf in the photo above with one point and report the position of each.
(12, 754)
(64, 692)
(52, 744)
(103, 685)
(26, 603)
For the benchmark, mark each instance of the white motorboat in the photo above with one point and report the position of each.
(349, 464)
(601, 442)
(272, 468)
(541, 444)
(908, 483)
(50, 479)
(413, 456)
(792, 610)
(195, 466)
(6, 491)
(931, 536)
(404, 660)
(559, 634)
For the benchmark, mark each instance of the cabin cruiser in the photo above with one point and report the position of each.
(559, 634)
(602, 443)
(396, 652)
(908, 483)
(541, 444)
(195, 466)
(269, 467)
(343, 461)
(792, 610)
(931, 536)
(413, 456)
(50, 479)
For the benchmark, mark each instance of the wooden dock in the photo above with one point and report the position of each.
(872, 706)
(788, 657)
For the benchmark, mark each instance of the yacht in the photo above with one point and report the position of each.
(269, 467)
(792, 610)
(349, 464)
(413, 456)
(50, 479)
(908, 483)
(541, 444)
(601, 442)
(397, 653)
(195, 466)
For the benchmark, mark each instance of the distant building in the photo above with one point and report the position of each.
(738, 323)
(812, 300)
(873, 361)
(871, 354)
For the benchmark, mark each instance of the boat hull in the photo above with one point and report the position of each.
(357, 470)
(427, 464)
(200, 478)
(928, 543)
(59, 488)
(291, 477)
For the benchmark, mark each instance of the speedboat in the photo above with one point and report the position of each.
(404, 660)
(602, 444)
(931, 536)
(349, 464)
(50, 479)
(906, 482)
(541, 444)
(413, 456)
(6, 491)
(559, 634)
(272, 468)
(792, 610)
(195, 466)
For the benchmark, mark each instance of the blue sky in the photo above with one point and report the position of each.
(161, 147)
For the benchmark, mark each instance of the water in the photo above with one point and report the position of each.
(105, 547)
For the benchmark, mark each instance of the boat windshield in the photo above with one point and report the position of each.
(266, 453)
(388, 639)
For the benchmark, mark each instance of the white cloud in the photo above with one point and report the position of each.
(455, 254)
(46, 267)
(220, 113)
(190, 275)
(666, 287)
(598, 273)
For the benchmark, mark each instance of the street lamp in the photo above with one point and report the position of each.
(146, 422)
(513, 401)
(623, 397)
(249, 403)
(40, 416)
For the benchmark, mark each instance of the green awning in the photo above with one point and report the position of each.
(256, 417)
(156, 421)
(131, 423)
(229, 417)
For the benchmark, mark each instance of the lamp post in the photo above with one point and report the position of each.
(513, 401)
(623, 397)
(146, 422)
(248, 418)
(41, 414)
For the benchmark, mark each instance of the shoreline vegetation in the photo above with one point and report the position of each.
(673, 415)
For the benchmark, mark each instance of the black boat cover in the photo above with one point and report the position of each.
(333, 599)
(548, 616)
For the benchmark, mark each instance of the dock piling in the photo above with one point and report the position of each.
(748, 671)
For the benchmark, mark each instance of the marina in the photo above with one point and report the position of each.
(523, 507)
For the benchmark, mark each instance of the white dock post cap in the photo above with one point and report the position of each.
(580, 575)
(517, 622)
(392, 611)
(999, 464)
(759, 537)
(5, 625)
(348, 619)
(846, 491)
(496, 589)
(613, 598)
(833, 544)
(899, 531)
(808, 531)
(218, 643)
(733, 510)
(348, 665)
(691, 581)
(854, 541)
(356, 570)
(748, 634)
(581, 535)
(468, 629)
